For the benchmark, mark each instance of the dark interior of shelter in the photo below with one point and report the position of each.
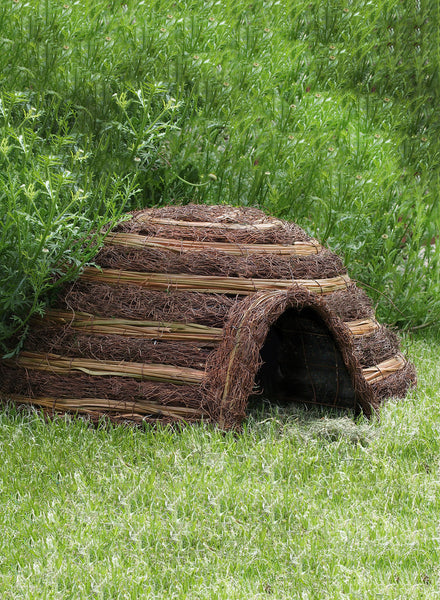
(302, 363)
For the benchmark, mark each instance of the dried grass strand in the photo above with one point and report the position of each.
(362, 327)
(133, 240)
(260, 225)
(152, 372)
(100, 404)
(89, 323)
(93, 324)
(209, 284)
(384, 369)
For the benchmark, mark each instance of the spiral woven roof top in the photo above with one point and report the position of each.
(193, 310)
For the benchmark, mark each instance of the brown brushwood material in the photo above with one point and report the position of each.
(92, 324)
(133, 240)
(232, 368)
(21, 381)
(199, 283)
(212, 262)
(131, 328)
(350, 304)
(395, 385)
(84, 335)
(372, 348)
(217, 213)
(256, 225)
(283, 235)
(134, 302)
(67, 341)
(188, 223)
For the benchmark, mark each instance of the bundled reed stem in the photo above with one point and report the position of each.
(88, 323)
(210, 284)
(384, 369)
(256, 225)
(363, 326)
(153, 372)
(104, 404)
(133, 240)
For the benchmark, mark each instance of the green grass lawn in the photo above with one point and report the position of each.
(299, 505)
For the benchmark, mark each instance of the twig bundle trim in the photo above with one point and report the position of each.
(256, 225)
(126, 409)
(384, 369)
(363, 326)
(153, 372)
(206, 284)
(88, 323)
(133, 240)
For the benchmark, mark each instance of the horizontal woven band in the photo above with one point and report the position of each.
(133, 240)
(128, 409)
(114, 368)
(211, 284)
(92, 324)
(257, 225)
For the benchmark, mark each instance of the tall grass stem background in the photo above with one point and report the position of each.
(325, 113)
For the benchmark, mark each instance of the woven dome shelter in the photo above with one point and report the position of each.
(191, 310)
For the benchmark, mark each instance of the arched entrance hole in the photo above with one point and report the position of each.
(302, 363)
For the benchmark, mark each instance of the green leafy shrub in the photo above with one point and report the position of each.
(60, 189)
